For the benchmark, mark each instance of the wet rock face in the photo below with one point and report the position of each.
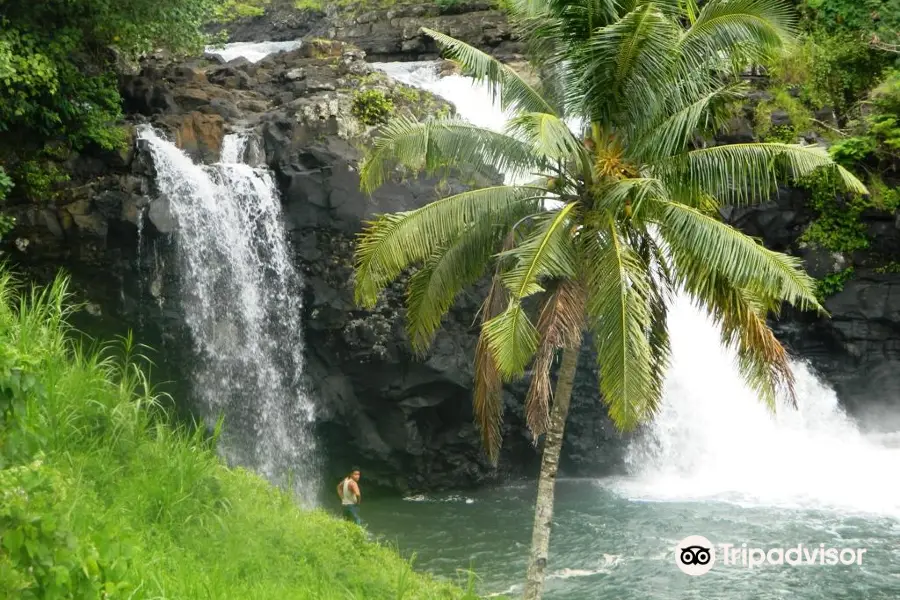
(406, 420)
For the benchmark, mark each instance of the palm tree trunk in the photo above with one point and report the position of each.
(543, 510)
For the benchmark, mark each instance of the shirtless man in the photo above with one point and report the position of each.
(348, 492)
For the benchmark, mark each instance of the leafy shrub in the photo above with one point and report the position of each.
(42, 557)
(372, 107)
(833, 283)
(229, 10)
(837, 226)
(850, 151)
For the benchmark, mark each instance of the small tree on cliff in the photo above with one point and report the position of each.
(610, 224)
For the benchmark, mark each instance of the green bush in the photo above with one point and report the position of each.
(372, 107)
(837, 226)
(101, 496)
(833, 283)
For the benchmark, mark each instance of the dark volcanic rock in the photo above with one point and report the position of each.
(406, 420)
(385, 34)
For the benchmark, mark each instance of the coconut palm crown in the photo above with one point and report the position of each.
(605, 220)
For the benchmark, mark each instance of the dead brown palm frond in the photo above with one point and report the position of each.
(487, 400)
(762, 359)
(560, 324)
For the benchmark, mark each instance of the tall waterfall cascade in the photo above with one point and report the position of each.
(714, 440)
(241, 300)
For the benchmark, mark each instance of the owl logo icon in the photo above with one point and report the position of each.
(695, 555)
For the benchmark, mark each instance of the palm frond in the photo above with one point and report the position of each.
(504, 83)
(675, 131)
(512, 339)
(393, 242)
(487, 400)
(547, 253)
(433, 288)
(611, 197)
(738, 174)
(559, 326)
(704, 248)
(750, 28)
(662, 290)
(621, 66)
(762, 360)
(549, 136)
(618, 307)
(434, 145)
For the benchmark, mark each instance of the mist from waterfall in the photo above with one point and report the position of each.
(241, 299)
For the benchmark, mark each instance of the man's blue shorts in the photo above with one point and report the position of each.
(351, 513)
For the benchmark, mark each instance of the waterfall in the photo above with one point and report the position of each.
(714, 440)
(252, 51)
(241, 300)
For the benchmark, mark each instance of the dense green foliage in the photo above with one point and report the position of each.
(840, 83)
(57, 59)
(372, 107)
(59, 67)
(833, 283)
(100, 497)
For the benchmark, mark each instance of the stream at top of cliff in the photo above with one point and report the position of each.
(804, 485)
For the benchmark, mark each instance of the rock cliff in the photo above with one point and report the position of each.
(384, 31)
(406, 421)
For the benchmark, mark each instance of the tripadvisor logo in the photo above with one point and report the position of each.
(696, 555)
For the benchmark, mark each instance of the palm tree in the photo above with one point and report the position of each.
(609, 222)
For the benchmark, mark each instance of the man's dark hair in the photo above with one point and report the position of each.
(354, 469)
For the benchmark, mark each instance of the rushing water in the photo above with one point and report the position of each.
(240, 297)
(252, 51)
(715, 463)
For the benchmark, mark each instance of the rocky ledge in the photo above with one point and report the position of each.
(407, 421)
(385, 31)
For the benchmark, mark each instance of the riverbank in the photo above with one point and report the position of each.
(100, 496)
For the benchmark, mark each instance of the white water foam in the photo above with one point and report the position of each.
(240, 297)
(252, 51)
(714, 439)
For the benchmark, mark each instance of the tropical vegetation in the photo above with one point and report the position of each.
(103, 496)
(610, 208)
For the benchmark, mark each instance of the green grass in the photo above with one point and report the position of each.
(102, 497)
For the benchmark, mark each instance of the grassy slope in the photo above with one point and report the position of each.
(101, 497)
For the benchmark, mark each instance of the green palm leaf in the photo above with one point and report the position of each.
(435, 145)
(549, 136)
(751, 28)
(620, 68)
(738, 174)
(741, 316)
(393, 242)
(675, 131)
(433, 288)
(618, 308)
(547, 253)
(703, 248)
